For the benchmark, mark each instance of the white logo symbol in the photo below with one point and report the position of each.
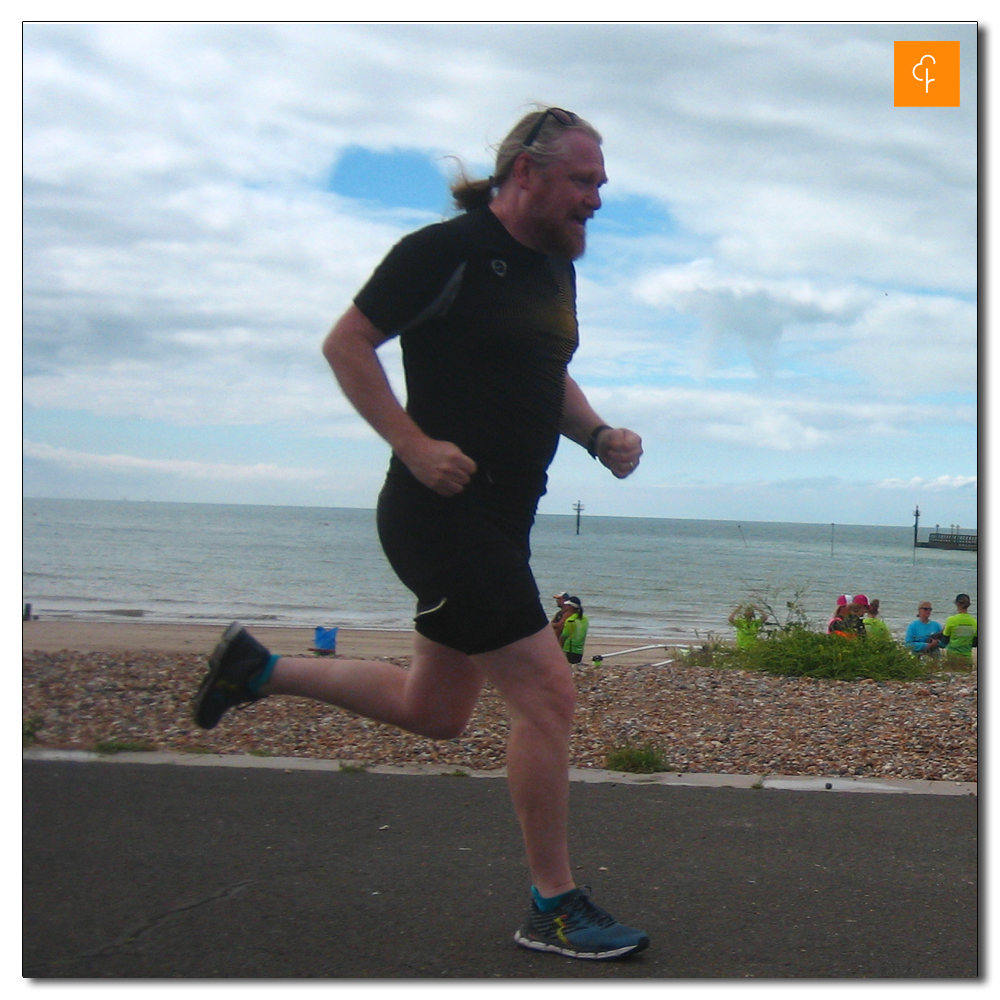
(500, 267)
(926, 79)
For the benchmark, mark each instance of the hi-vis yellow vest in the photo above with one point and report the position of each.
(574, 633)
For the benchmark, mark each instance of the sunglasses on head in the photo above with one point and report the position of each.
(565, 118)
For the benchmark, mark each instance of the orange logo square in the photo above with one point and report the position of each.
(926, 74)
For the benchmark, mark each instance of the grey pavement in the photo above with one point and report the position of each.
(264, 871)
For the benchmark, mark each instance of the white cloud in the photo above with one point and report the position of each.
(172, 467)
(769, 422)
(221, 274)
(194, 394)
(912, 344)
(183, 259)
(755, 310)
(934, 484)
(900, 342)
(783, 145)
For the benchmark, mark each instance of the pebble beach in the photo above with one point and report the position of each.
(87, 685)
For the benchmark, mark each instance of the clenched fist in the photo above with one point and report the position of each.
(440, 465)
(619, 450)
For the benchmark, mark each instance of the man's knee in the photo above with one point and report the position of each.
(534, 679)
(442, 691)
(443, 728)
(554, 690)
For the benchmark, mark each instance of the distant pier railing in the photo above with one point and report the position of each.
(946, 540)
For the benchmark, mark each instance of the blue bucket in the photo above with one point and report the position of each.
(326, 640)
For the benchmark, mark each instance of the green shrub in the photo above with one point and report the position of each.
(29, 729)
(798, 652)
(706, 655)
(951, 663)
(638, 760)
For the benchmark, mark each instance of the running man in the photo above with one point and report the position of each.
(485, 308)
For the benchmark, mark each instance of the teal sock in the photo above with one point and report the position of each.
(548, 903)
(256, 683)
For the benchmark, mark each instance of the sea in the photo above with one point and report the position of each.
(652, 578)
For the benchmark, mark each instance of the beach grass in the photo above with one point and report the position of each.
(646, 759)
(30, 728)
(799, 652)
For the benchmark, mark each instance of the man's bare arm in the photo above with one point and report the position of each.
(350, 348)
(618, 449)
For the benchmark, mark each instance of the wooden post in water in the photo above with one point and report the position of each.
(578, 507)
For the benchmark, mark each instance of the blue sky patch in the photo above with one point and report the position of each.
(634, 215)
(403, 179)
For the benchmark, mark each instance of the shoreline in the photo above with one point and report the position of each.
(55, 635)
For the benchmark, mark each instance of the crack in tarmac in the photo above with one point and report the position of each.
(135, 934)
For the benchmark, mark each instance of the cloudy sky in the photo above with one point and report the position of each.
(779, 293)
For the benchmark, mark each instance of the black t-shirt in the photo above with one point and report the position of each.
(487, 328)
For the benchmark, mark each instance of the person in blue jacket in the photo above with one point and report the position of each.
(923, 635)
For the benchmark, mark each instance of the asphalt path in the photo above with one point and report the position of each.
(138, 871)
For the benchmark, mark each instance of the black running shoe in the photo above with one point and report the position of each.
(579, 929)
(237, 659)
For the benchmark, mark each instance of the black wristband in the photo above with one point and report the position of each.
(592, 443)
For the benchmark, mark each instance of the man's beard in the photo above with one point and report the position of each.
(561, 239)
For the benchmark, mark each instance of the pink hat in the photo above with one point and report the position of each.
(843, 600)
(861, 599)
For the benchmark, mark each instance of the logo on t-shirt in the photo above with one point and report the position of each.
(500, 267)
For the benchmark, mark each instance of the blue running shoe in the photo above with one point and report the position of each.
(579, 929)
(238, 660)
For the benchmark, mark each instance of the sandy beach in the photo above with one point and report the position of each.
(88, 683)
(137, 636)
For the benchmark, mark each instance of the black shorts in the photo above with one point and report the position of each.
(465, 558)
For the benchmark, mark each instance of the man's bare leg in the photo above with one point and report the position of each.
(535, 681)
(434, 698)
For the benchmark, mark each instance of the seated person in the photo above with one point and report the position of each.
(849, 624)
(923, 636)
(961, 631)
(838, 614)
(874, 626)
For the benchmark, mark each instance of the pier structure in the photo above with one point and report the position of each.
(951, 540)
(955, 539)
